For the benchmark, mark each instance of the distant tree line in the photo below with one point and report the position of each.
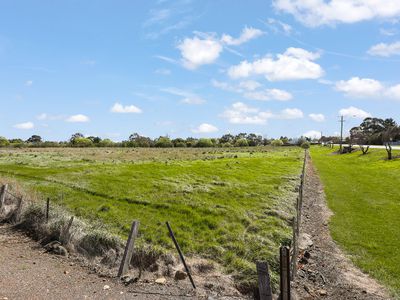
(137, 140)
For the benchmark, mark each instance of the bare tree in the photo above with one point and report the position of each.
(361, 138)
(388, 136)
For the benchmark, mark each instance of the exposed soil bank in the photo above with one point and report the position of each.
(27, 272)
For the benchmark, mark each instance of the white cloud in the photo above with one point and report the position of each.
(290, 113)
(250, 85)
(240, 113)
(354, 112)
(29, 83)
(385, 50)
(320, 12)
(226, 86)
(278, 26)
(119, 108)
(79, 118)
(388, 32)
(89, 62)
(269, 94)
(157, 16)
(196, 52)
(188, 97)
(193, 100)
(26, 125)
(248, 33)
(360, 87)
(205, 128)
(312, 134)
(317, 117)
(42, 116)
(250, 90)
(393, 92)
(293, 64)
(163, 72)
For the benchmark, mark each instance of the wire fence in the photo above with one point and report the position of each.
(288, 255)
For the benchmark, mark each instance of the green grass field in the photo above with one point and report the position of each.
(363, 191)
(230, 205)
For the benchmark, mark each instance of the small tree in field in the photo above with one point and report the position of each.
(388, 136)
(163, 142)
(34, 139)
(361, 138)
(277, 143)
(305, 145)
(3, 142)
(241, 143)
(82, 142)
(203, 143)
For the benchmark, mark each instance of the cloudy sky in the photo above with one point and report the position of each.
(196, 68)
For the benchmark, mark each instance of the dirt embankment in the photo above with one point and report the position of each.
(28, 272)
(325, 272)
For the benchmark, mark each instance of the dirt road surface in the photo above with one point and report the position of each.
(27, 272)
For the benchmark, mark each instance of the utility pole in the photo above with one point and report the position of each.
(341, 133)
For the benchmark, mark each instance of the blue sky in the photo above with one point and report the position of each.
(196, 68)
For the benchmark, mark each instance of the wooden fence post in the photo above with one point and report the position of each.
(3, 194)
(284, 273)
(295, 248)
(47, 209)
(65, 236)
(17, 212)
(264, 283)
(130, 243)
(171, 233)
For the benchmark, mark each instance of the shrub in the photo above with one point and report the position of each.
(82, 142)
(3, 142)
(277, 143)
(305, 145)
(203, 142)
(241, 143)
(163, 142)
(106, 143)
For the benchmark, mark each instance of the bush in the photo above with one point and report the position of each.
(163, 142)
(203, 142)
(106, 143)
(241, 143)
(82, 142)
(277, 143)
(3, 142)
(305, 145)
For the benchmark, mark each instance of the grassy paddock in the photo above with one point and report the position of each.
(230, 205)
(363, 191)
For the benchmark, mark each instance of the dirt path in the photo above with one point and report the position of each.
(26, 272)
(327, 273)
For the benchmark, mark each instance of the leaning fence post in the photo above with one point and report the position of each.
(47, 209)
(264, 283)
(130, 243)
(171, 233)
(3, 194)
(284, 273)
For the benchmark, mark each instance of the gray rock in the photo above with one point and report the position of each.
(127, 279)
(60, 250)
(305, 241)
